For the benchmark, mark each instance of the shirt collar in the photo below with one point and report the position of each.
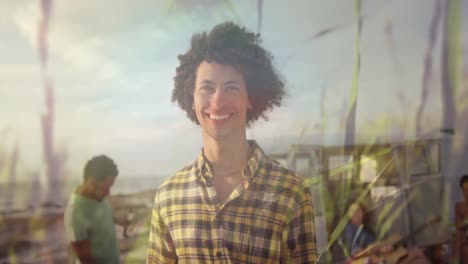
(203, 170)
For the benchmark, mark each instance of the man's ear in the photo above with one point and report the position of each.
(91, 183)
(249, 104)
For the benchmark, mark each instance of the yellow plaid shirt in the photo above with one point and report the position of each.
(267, 219)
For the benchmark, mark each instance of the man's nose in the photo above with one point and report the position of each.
(218, 100)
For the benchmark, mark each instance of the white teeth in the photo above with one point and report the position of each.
(218, 117)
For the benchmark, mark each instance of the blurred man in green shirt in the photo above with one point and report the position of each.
(88, 217)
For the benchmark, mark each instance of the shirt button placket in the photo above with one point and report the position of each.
(219, 245)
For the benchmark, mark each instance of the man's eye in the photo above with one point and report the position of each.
(232, 88)
(206, 88)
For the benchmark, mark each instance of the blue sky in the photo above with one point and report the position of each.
(112, 64)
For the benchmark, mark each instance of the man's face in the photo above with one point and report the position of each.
(357, 215)
(465, 190)
(102, 188)
(220, 101)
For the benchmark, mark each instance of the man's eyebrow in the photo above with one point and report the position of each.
(205, 82)
(231, 82)
(212, 83)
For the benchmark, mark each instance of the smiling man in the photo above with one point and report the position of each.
(233, 204)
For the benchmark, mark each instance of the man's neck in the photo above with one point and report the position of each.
(225, 156)
(85, 191)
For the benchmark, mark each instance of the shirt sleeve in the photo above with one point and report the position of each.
(299, 237)
(160, 246)
(459, 235)
(77, 224)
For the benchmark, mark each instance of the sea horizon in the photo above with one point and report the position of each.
(23, 195)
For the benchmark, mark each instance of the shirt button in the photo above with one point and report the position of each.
(218, 223)
(219, 254)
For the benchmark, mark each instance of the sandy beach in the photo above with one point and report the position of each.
(37, 235)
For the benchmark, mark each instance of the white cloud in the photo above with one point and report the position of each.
(80, 53)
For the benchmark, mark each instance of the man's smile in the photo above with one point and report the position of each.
(218, 117)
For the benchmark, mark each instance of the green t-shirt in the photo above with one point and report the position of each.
(89, 219)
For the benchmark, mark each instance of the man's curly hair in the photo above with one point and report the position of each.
(99, 168)
(229, 44)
